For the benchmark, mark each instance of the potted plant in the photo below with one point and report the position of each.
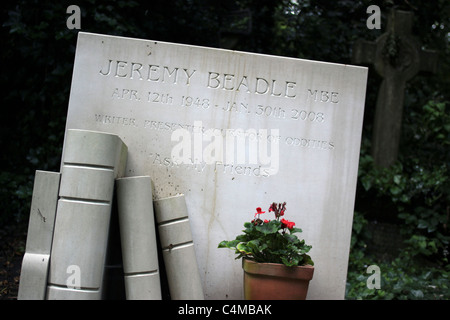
(275, 261)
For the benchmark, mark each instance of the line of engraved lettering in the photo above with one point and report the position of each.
(156, 97)
(147, 72)
(249, 134)
(169, 162)
(272, 112)
(241, 170)
(237, 107)
(309, 143)
(323, 96)
(307, 115)
(125, 94)
(171, 126)
(188, 101)
(107, 119)
(239, 133)
(219, 167)
(257, 85)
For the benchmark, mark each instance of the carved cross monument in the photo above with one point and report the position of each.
(397, 56)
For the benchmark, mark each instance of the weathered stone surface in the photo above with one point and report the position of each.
(395, 69)
(138, 238)
(91, 161)
(178, 249)
(35, 263)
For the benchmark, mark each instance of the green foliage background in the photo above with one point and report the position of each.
(37, 60)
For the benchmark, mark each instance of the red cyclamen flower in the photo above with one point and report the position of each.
(287, 224)
(259, 211)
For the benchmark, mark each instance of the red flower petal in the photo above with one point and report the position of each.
(259, 211)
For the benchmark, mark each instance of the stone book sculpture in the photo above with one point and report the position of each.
(91, 163)
(35, 264)
(138, 238)
(178, 249)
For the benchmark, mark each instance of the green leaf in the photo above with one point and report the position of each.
(242, 237)
(253, 244)
(395, 190)
(289, 262)
(295, 230)
(307, 260)
(228, 244)
(223, 244)
(248, 225)
(241, 247)
(367, 183)
(291, 238)
(268, 228)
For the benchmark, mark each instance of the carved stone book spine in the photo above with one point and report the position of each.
(178, 248)
(35, 263)
(91, 163)
(138, 238)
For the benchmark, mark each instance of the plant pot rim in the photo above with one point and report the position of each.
(275, 269)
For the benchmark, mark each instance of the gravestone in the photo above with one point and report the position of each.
(231, 131)
(397, 57)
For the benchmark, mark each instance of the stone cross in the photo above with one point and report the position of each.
(397, 56)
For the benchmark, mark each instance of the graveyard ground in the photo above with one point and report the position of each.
(12, 248)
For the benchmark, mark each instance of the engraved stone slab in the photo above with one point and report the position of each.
(232, 131)
(35, 263)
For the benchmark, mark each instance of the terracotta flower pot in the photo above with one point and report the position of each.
(273, 281)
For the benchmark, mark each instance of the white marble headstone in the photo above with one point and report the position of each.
(232, 131)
